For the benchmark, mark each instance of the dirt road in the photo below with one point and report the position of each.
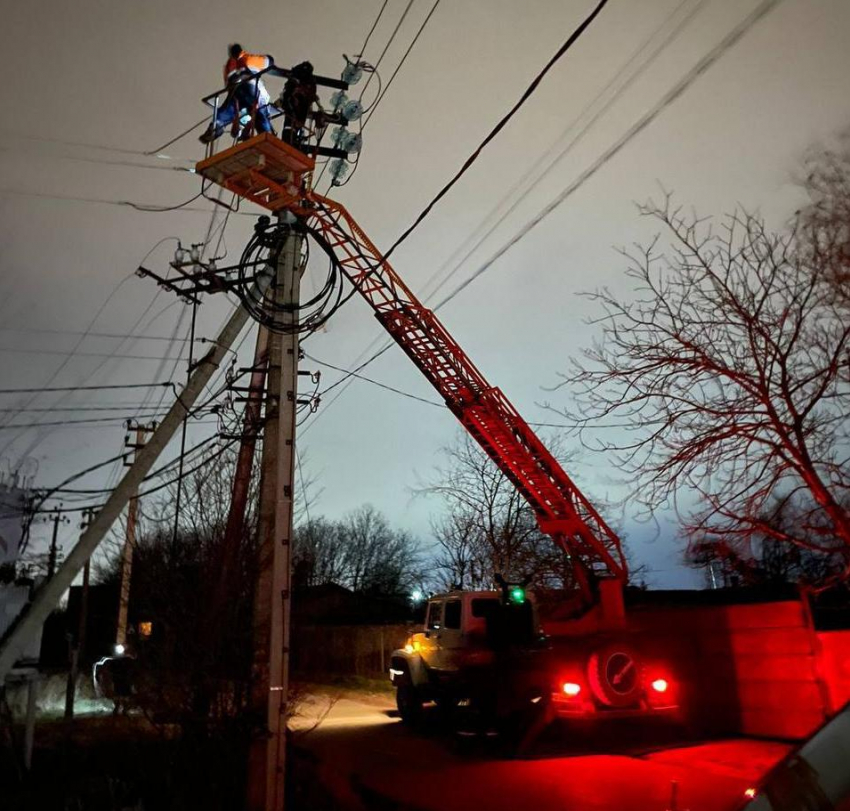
(368, 759)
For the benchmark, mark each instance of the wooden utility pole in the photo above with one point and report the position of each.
(222, 601)
(142, 432)
(267, 762)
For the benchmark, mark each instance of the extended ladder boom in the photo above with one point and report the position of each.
(562, 510)
(276, 176)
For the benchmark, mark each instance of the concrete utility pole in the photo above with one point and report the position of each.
(54, 547)
(267, 764)
(50, 593)
(78, 645)
(142, 432)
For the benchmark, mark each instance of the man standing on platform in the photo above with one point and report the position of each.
(246, 94)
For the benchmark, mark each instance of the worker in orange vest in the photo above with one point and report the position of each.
(245, 93)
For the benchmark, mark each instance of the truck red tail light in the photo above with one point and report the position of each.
(571, 689)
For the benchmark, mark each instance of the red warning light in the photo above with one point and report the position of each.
(572, 689)
(660, 685)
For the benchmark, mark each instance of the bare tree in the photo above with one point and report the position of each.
(731, 369)
(361, 552)
(764, 561)
(824, 223)
(488, 528)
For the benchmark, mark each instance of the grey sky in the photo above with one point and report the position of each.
(130, 75)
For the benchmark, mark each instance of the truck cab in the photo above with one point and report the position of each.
(466, 635)
(485, 651)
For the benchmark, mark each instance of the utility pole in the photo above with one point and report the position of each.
(54, 547)
(78, 645)
(142, 432)
(48, 596)
(267, 762)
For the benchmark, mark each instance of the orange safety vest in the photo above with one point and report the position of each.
(252, 62)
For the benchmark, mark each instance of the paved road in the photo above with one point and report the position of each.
(367, 758)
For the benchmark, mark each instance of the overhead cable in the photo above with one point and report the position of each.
(85, 388)
(400, 64)
(707, 61)
(372, 30)
(644, 121)
(500, 125)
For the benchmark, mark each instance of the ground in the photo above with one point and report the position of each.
(350, 751)
(367, 759)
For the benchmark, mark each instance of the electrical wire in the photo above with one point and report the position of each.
(85, 388)
(410, 47)
(99, 366)
(372, 30)
(91, 334)
(642, 123)
(104, 161)
(500, 125)
(709, 59)
(69, 353)
(380, 96)
(388, 44)
(373, 382)
(547, 161)
(122, 203)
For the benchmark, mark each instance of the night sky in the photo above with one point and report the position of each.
(91, 86)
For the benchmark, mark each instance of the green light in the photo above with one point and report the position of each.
(517, 594)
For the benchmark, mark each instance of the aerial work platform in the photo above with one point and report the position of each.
(262, 169)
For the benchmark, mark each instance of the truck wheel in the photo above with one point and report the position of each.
(409, 703)
(615, 677)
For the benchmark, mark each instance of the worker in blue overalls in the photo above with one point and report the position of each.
(244, 94)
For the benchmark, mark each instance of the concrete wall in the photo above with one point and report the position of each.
(835, 658)
(757, 669)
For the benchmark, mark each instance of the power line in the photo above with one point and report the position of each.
(644, 121)
(373, 382)
(88, 328)
(87, 421)
(86, 407)
(372, 74)
(105, 147)
(84, 388)
(500, 125)
(69, 353)
(387, 46)
(407, 394)
(709, 59)
(91, 334)
(372, 30)
(400, 64)
(104, 161)
(513, 194)
(121, 203)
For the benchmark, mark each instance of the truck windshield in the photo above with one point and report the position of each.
(484, 606)
(451, 617)
(435, 616)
